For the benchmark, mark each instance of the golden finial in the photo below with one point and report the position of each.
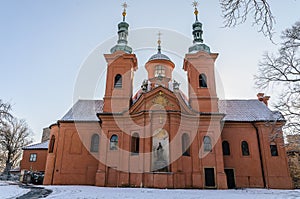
(159, 34)
(124, 5)
(159, 41)
(195, 5)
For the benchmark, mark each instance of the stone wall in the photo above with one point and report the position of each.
(293, 152)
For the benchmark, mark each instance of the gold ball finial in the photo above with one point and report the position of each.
(159, 41)
(124, 5)
(196, 11)
(195, 5)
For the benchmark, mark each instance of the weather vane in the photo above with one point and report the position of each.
(195, 5)
(124, 5)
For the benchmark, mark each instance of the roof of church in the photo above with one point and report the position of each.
(235, 110)
(43, 145)
(159, 56)
(248, 111)
(84, 110)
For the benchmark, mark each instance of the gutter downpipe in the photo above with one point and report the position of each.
(54, 165)
(260, 155)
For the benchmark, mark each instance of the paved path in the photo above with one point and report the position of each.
(35, 192)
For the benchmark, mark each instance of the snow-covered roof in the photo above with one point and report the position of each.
(84, 110)
(159, 56)
(234, 110)
(248, 111)
(43, 145)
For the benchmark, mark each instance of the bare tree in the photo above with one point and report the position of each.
(4, 114)
(282, 71)
(237, 11)
(14, 134)
(4, 111)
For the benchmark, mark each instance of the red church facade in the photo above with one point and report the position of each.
(158, 137)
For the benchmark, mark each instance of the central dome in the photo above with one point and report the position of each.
(159, 56)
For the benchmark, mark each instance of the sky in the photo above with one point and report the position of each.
(51, 51)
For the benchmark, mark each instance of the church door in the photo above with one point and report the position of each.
(209, 177)
(230, 178)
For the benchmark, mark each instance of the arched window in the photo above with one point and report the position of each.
(113, 142)
(118, 81)
(245, 148)
(51, 144)
(185, 144)
(207, 143)
(202, 81)
(94, 143)
(226, 148)
(159, 71)
(273, 149)
(135, 144)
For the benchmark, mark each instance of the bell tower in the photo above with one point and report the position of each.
(199, 65)
(121, 65)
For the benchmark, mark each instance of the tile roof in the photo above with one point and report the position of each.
(235, 110)
(43, 145)
(248, 111)
(84, 110)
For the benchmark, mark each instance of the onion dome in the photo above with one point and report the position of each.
(123, 34)
(198, 44)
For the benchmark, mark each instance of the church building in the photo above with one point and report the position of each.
(160, 137)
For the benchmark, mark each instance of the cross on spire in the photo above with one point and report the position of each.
(159, 41)
(124, 5)
(195, 5)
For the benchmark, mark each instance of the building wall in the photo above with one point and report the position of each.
(119, 168)
(276, 167)
(71, 162)
(38, 165)
(249, 170)
(74, 164)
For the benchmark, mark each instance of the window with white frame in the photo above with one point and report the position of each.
(159, 71)
(32, 157)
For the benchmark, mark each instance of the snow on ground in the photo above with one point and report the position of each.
(91, 192)
(68, 192)
(8, 190)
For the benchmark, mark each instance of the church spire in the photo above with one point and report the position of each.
(124, 5)
(159, 42)
(197, 34)
(195, 4)
(122, 34)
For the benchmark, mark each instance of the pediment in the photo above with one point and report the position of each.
(159, 99)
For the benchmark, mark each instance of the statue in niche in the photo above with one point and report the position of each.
(161, 165)
(160, 152)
